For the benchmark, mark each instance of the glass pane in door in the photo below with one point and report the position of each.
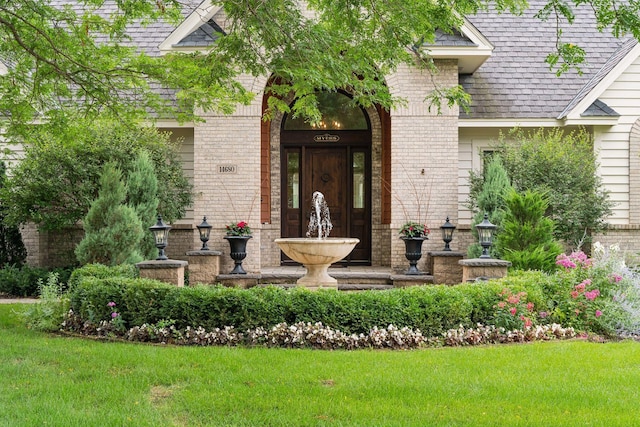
(358, 180)
(293, 180)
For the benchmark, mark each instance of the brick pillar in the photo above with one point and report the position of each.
(483, 269)
(445, 267)
(170, 271)
(204, 266)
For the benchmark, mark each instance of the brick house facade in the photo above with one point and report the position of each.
(416, 160)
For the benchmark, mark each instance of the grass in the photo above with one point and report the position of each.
(62, 381)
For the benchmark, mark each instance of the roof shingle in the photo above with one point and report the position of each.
(516, 82)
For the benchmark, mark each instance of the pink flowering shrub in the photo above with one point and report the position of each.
(584, 297)
(620, 285)
(513, 311)
(583, 306)
(576, 259)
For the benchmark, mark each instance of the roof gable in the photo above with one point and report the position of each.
(599, 109)
(467, 45)
(620, 60)
(196, 31)
(203, 36)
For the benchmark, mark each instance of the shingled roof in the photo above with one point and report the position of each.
(146, 38)
(516, 83)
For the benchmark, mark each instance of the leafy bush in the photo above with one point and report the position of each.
(12, 250)
(49, 313)
(563, 165)
(586, 294)
(23, 281)
(75, 155)
(101, 271)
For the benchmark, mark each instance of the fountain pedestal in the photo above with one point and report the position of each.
(316, 255)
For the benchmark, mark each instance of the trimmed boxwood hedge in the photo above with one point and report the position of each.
(432, 309)
(101, 271)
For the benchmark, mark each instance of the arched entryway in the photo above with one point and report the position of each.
(334, 158)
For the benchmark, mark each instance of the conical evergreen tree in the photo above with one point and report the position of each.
(526, 238)
(490, 200)
(12, 250)
(112, 229)
(142, 191)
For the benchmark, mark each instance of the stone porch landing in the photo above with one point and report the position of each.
(349, 278)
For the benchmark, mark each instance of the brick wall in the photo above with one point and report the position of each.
(52, 248)
(232, 193)
(182, 239)
(424, 147)
(625, 236)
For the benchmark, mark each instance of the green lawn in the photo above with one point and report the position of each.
(51, 380)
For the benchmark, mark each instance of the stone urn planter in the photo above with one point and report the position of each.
(413, 253)
(316, 255)
(238, 253)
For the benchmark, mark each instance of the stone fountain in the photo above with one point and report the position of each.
(317, 253)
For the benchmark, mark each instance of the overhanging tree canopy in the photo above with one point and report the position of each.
(63, 60)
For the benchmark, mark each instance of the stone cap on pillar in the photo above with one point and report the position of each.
(158, 264)
(484, 262)
(204, 253)
(446, 254)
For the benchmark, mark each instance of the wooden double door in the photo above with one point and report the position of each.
(341, 171)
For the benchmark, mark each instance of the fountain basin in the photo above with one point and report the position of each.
(316, 255)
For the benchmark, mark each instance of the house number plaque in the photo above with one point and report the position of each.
(227, 169)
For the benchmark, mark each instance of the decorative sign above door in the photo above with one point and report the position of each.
(326, 137)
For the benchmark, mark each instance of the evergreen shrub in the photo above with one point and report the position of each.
(488, 193)
(526, 238)
(142, 195)
(112, 228)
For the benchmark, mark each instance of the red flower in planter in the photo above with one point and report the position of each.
(238, 229)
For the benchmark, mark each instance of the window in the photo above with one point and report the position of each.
(358, 180)
(338, 113)
(293, 180)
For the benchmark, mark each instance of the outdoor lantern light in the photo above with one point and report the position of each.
(204, 229)
(161, 236)
(485, 235)
(447, 233)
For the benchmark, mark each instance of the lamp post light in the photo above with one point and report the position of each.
(447, 233)
(485, 235)
(205, 230)
(161, 236)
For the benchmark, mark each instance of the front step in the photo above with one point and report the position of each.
(347, 281)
